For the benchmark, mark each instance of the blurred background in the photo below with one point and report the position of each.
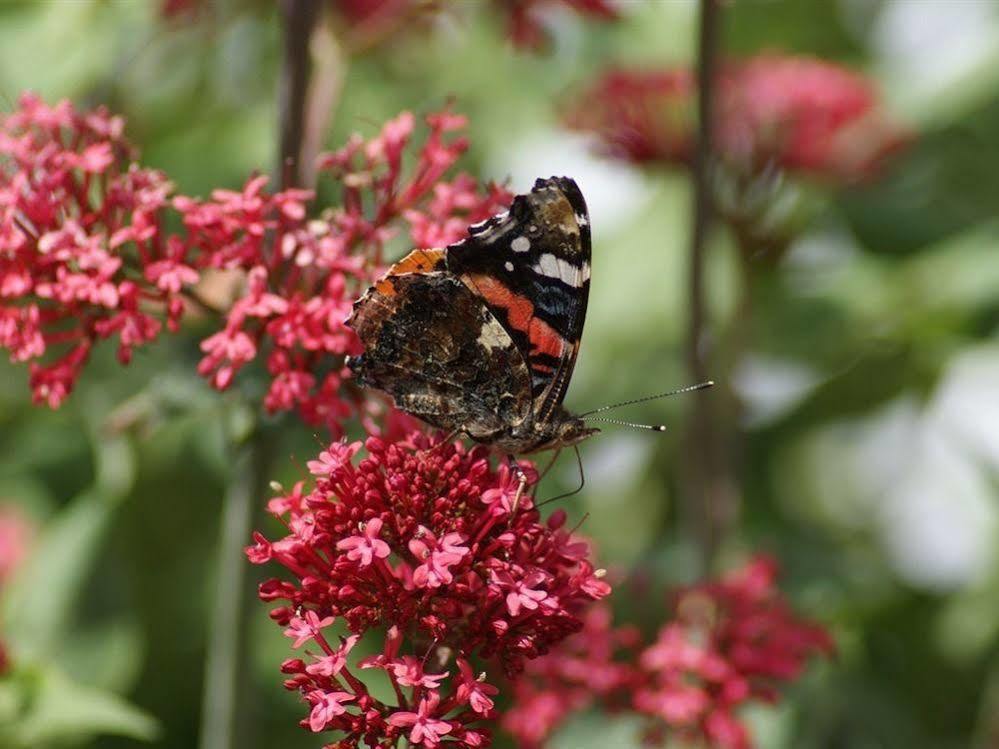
(867, 424)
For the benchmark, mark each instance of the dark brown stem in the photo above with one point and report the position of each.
(705, 489)
(296, 67)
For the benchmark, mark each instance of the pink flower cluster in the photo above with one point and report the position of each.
(417, 545)
(527, 25)
(807, 115)
(84, 254)
(644, 117)
(795, 113)
(727, 642)
(303, 274)
(362, 24)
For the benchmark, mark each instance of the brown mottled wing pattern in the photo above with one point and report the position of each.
(433, 345)
(531, 265)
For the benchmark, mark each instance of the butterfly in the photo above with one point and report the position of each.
(480, 338)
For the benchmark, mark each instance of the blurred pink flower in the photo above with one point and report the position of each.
(728, 642)
(644, 117)
(526, 19)
(17, 532)
(798, 114)
(402, 542)
(804, 115)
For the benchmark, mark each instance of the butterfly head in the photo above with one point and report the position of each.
(564, 432)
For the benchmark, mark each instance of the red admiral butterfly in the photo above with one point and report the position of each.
(481, 337)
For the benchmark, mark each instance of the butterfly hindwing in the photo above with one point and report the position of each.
(531, 266)
(434, 345)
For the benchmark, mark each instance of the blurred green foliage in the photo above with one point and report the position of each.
(871, 455)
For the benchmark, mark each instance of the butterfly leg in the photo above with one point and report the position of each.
(578, 489)
(443, 441)
(521, 482)
(551, 464)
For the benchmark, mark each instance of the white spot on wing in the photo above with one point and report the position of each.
(520, 244)
(508, 265)
(581, 219)
(492, 336)
(556, 267)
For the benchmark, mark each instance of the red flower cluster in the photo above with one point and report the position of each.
(419, 543)
(526, 18)
(303, 275)
(728, 642)
(805, 115)
(796, 113)
(640, 116)
(587, 668)
(83, 253)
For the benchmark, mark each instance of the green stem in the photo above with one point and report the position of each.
(703, 448)
(226, 647)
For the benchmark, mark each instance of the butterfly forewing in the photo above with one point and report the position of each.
(531, 266)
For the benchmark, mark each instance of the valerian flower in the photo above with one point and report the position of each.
(83, 254)
(796, 114)
(803, 115)
(645, 117)
(527, 24)
(726, 643)
(402, 545)
(303, 274)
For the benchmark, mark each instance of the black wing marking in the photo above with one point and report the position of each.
(531, 266)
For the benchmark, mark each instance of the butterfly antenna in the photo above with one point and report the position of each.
(688, 389)
(650, 427)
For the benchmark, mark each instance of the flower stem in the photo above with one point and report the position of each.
(704, 484)
(225, 648)
(299, 18)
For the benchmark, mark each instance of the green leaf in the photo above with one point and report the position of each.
(593, 731)
(62, 710)
(38, 603)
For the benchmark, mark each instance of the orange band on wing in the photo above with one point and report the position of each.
(418, 261)
(519, 310)
(543, 337)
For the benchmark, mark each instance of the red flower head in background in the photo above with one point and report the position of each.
(795, 113)
(416, 542)
(526, 18)
(642, 117)
(727, 643)
(804, 115)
